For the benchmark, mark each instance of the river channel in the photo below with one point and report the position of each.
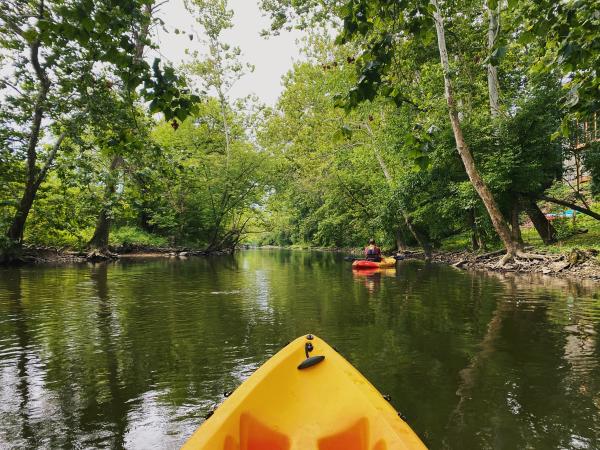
(134, 354)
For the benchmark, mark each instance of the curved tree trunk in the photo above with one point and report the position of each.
(482, 189)
(573, 206)
(34, 179)
(543, 226)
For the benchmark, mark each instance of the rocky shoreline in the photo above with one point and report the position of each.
(577, 264)
(50, 255)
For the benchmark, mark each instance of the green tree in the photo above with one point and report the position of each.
(398, 52)
(61, 56)
(210, 200)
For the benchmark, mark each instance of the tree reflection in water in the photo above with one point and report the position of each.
(134, 354)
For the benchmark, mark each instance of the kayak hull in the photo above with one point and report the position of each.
(364, 264)
(328, 405)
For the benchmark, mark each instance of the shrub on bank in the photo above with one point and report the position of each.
(130, 235)
(57, 238)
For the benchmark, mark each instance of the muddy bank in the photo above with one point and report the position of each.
(50, 255)
(577, 264)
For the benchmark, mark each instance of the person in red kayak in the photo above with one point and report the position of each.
(372, 252)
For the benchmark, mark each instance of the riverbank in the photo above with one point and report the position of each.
(575, 255)
(563, 262)
(576, 264)
(582, 264)
(30, 254)
(566, 261)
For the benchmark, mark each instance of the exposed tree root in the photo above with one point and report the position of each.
(577, 263)
(512, 257)
(506, 259)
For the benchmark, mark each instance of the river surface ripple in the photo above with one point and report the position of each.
(134, 354)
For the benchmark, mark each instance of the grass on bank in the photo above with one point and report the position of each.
(136, 236)
(569, 236)
(125, 235)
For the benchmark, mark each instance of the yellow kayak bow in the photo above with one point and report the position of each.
(306, 397)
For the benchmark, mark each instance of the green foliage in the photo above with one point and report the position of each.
(300, 14)
(63, 215)
(211, 195)
(75, 68)
(569, 32)
(130, 235)
(358, 146)
(591, 159)
(386, 67)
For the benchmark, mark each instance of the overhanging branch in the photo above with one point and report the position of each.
(573, 206)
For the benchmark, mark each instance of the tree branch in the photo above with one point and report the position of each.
(573, 206)
(577, 193)
(50, 160)
(158, 5)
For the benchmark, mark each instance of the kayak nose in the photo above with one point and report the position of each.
(310, 360)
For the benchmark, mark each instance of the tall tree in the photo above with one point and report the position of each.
(100, 237)
(218, 71)
(493, 11)
(60, 57)
(512, 246)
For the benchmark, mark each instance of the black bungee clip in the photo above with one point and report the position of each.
(310, 360)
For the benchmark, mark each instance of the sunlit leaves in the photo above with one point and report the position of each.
(570, 32)
(169, 93)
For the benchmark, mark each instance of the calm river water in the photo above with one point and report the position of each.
(134, 354)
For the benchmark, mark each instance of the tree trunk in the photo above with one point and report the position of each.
(101, 233)
(420, 237)
(515, 210)
(34, 180)
(539, 220)
(400, 242)
(476, 242)
(15, 232)
(573, 206)
(100, 238)
(492, 70)
(465, 153)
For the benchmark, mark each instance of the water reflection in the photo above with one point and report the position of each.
(21, 378)
(134, 354)
(371, 278)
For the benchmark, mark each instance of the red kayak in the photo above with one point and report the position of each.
(364, 264)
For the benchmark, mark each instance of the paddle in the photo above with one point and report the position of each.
(356, 258)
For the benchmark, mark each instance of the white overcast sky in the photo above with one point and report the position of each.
(272, 57)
